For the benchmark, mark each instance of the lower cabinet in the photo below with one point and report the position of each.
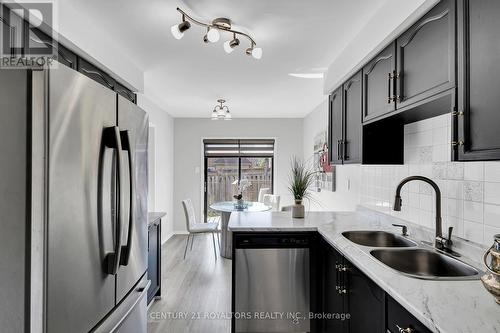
(353, 303)
(401, 321)
(154, 260)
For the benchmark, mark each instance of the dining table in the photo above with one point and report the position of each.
(225, 208)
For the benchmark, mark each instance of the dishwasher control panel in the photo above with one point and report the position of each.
(271, 241)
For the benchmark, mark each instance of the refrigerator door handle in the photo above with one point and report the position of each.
(126, 249)
(112, 139)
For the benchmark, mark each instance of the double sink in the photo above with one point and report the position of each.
(406, 256)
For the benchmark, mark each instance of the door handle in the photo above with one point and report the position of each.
(125, 250)
(111, 139)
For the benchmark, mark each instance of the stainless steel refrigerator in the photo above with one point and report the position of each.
(73, 185)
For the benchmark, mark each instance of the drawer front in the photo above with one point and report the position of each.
(401, 321)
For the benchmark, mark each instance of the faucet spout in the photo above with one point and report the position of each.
(440, 241)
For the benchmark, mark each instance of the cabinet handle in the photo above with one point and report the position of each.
(339, 150)
(341, 290)
(399, 96)
(389, 95)
(405, 330)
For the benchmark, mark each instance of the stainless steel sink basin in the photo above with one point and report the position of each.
(426, 264)
(377, 239)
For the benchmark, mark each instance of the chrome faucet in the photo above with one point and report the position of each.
(440, 242)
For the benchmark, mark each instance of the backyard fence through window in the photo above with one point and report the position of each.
(229, 160)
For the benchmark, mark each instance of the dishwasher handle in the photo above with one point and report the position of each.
(271, 241)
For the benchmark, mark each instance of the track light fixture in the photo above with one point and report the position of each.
(214, 28)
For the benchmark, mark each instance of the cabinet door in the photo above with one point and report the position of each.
(479, 57)
(335, 126)
(378, 84)
(352, 99)
(366, 303)
(153, 261)
(95, 73)
(334, 300)
(426, 56)
(38, 38)
(400, 320)
(125, 92)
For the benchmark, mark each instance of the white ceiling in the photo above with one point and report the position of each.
(186, 76)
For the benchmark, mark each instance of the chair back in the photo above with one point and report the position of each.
(263, 191)
(189, 213)
(273, 201)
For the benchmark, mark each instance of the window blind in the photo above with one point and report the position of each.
(243, 147)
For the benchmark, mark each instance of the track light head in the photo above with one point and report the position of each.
(212, 36)
(178, 29)
(231, 44)
(255, 52)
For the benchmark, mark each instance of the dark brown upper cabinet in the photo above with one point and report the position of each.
(96, 74)
(352, 100)
(426, 56)
(476, 121)
(336, 126)
(38, 38)
(378, 84)
(344, 122)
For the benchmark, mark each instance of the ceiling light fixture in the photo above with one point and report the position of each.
(221, 111)
(214, 28)
(307, 75)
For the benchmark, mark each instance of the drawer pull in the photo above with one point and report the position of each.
(405, 330)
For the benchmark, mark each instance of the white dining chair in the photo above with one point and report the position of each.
(263, 191)
(273, 201)
(194, 228)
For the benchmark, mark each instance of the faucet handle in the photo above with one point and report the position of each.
(404, 228)
(450, 232)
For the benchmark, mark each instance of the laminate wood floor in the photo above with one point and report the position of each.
(196, 292)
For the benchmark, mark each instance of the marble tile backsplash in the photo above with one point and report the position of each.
(470, 190)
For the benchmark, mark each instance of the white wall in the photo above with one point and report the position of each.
(188, 169)
(163, 149)
(470, 191)
(346, 196)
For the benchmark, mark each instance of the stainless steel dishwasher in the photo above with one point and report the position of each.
(271, 283)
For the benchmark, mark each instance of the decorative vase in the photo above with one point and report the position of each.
(298, 210)
(491, 280)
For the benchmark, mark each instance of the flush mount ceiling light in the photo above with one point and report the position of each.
(221, 111)
(307, 75)
(214, 28)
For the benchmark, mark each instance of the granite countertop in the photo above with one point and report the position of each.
(443, 306)
(154, 217)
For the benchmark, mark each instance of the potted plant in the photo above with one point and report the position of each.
(301, 178)
(241, 186)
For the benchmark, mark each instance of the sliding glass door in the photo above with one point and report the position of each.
(228, 161)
